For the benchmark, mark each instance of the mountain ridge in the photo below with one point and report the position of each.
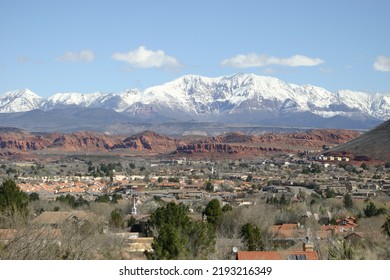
(239, 98)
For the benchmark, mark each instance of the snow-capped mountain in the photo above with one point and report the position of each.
(237, 98)
(247, 97)
(19, 101)
(63, 100)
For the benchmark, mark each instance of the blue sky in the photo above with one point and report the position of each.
(87, 46)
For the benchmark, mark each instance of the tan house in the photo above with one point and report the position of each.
(55, 219)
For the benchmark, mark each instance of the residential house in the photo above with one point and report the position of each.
(53, 219)
(342, 226)
(277, 255)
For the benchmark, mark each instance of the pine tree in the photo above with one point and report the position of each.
(386, 226)
(117, 219)
(213, 212)
(12, 200)
(348, 202)
(252, 237)
(179, 237)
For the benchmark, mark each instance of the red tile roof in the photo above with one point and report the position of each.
(277, 255)
(284, 227)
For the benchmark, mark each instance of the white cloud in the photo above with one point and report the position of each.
(85, 55)
(326, 70)
(144, 58)
(23, 59)
(256, 60)
(382, 63)
(28, 60)
(269, 71)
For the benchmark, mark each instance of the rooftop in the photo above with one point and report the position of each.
(277, 255)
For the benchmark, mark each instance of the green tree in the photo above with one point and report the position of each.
(372, 210)
(34, 196)
(115, 197)
(301, 196)
(284, 200)
(117, 219)
(201, 239)
(72, 200)
(252, 237)
(213, 211)
(173, 180)
(177, 236)
(12, 200)
(348, 202)
(103, 198)
(313, 168)
(386, 226)
(226, 208)
(131, 222)
(209, 186)
(329, 193)
(170, 223)
(364, 166)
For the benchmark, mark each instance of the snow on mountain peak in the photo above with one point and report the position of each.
(204, 98)
(19, 101)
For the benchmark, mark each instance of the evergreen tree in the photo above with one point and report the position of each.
(12, 200)
(201, 239)
(34, 196)
(386, 226)
(252, 237)
(103, 198)
(213, 211)
(284, 200)
(209, 186)
(330, 193)
(301, 195)
(372, 210)
(348, 202)
(179, 237)
(364, 166)
(117, 219)
(115, 197)
(227, 208)
(72, 200)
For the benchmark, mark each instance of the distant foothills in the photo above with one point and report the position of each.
(194, 104)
